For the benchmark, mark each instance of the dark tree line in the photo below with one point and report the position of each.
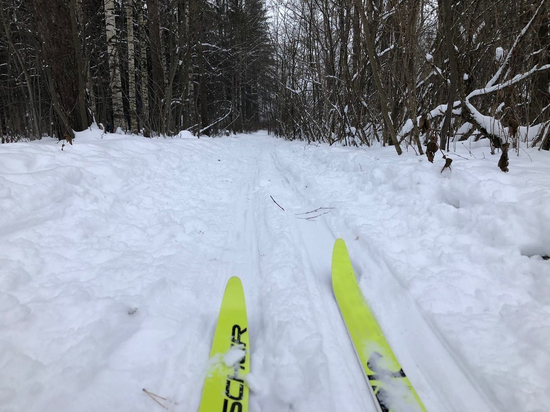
(155, 66)
(399, 72)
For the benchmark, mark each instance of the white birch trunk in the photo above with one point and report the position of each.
(114, 65)
(131, 66)
(144, 73)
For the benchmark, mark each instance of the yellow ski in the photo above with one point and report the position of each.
(391, 389)
(224, 387)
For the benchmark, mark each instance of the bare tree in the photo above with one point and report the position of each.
(157, 69)
(54, 23)
(349, 71)
(144, 73)
(373, 58)
(131, 67)
(448, 28)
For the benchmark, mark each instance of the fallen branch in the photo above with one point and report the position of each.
(512, 51)
(204, 129)
(516, 79)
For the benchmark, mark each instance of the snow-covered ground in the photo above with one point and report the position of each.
(115, 252)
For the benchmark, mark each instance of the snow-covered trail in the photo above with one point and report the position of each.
(303, 356)
(433, 370)
(444, 386)
(115, 253)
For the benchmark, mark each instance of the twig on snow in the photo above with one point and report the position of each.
(527, 154)
(314, 210)
(312, 218)
(456, 154)
(156, 397)
(471, 154)
(276, 203)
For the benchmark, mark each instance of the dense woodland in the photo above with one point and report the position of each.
(399, 72)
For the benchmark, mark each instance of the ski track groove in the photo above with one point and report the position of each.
(267, 356)
(336, 341)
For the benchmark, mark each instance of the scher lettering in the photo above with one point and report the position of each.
(234, 386)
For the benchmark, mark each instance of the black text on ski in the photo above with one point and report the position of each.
(232, 402)
(375, 379)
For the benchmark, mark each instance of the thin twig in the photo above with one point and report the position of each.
(314, 210)
(312, 217)
(527, 154)
(276, 203)
(471, 154)
(456, 154)
(154, 397)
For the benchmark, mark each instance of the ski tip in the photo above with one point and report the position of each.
(339, 244)
(234, 279)
(235, 285)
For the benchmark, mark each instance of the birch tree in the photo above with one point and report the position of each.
(114, 66)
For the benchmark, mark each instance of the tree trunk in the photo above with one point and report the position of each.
(144, 120)
(81, 100)
(184, 45)
(200, 95)
(541, 95)
(156, 66)
(114, 66)
(131, 67)
(410, 67)
(53, 21)
(376, 76)
(453, 63)
(25, 72)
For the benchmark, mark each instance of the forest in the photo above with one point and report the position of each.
(405, 73)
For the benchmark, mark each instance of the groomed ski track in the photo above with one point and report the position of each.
(312, 362)
(151, 234)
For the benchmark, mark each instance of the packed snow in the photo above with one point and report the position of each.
(115, 252)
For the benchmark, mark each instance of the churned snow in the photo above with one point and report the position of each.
(234, 356)
(115, 252)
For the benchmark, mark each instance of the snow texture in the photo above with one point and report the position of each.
(115, 252)
(234, 356)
